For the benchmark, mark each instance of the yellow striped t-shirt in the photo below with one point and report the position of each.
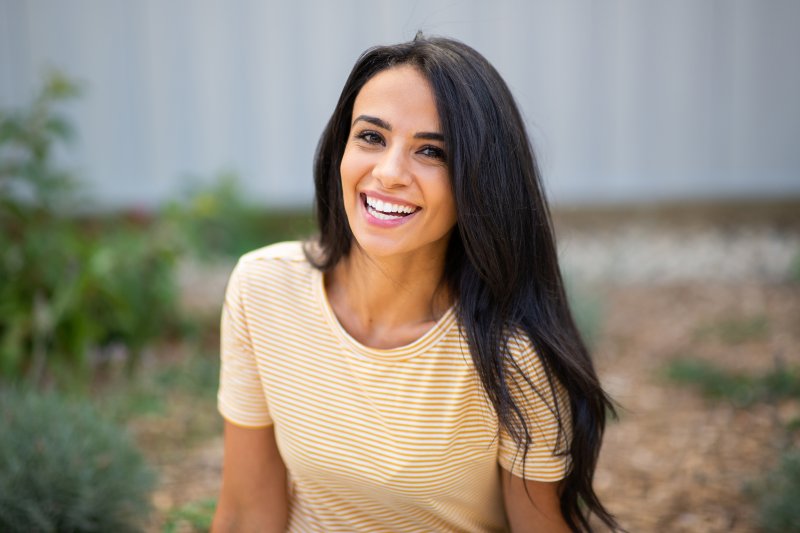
(373, 440)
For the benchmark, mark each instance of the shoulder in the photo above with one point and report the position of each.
(273, 267)
(289, 251)
(272, 259)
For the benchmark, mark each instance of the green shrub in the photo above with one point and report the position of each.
(218, 221)
(68, 292)
(63, 468)
(778, 495)
(28, 178)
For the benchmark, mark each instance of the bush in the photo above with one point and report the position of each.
(218, 221)
(67, 293)
(63, 468)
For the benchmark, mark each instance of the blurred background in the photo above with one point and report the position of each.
(145, 145)
(626, 101)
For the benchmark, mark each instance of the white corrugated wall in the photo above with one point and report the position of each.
(625, 100)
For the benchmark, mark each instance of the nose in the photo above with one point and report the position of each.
(391, 169)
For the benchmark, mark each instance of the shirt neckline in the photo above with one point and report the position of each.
(429, 339)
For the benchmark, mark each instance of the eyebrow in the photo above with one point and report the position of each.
(429, 135)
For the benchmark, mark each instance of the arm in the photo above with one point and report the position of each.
(540, 512)
(253, 496)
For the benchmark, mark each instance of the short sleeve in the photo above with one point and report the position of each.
(543, 406)
(241, 399)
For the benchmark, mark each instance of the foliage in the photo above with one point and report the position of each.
(194, 516)
(777, 496)
(64, 468)
(68, 293)
(27, 137)
(217, 220)
(741, 389)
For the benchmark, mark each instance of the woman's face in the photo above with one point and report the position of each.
(395, 179)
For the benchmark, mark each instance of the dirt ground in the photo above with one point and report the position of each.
(674, 461)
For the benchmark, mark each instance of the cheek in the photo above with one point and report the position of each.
(350, 177)
(345, 170)
(351, 168)
(350, 172)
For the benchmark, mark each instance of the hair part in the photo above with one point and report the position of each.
(501, 262)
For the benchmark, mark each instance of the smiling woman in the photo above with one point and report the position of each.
(416, 367)
(394, 170)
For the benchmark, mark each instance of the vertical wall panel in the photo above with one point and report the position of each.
(625, 100)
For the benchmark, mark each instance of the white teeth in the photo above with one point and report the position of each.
(386, 207)
(382, 216)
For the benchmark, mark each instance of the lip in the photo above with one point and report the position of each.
(380, 222)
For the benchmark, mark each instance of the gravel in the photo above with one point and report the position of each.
(659, 254)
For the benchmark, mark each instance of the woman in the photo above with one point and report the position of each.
(416, 367)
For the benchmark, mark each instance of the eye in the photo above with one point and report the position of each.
(370, 137)
(433, 151)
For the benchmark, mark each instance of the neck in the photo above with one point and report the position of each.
(380, 298)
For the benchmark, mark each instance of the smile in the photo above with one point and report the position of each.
(383, 210)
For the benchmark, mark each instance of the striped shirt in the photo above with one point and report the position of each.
(400, 439)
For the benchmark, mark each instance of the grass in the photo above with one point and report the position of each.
(738, 388)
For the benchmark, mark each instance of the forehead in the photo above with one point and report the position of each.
(401, 96)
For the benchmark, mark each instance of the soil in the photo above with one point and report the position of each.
(674, 460)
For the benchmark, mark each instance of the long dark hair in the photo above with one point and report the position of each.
(501, 261)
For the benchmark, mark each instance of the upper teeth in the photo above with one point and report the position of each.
(386, 207)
